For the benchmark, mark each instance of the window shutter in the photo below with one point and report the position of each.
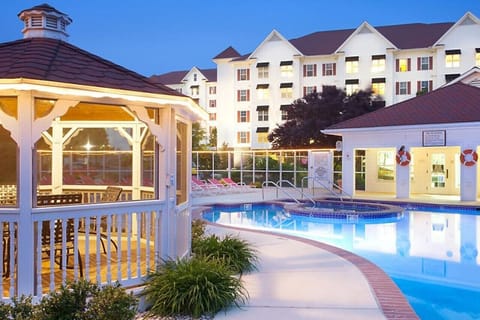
(238, 137)
(238, 74)
(304, 91)
(418, 86)
(419, 62)
(315, 88)
(248, 116)
(408, 87)
(397, 65)
(323, 69)
(248, 95)
(334, 69)
(315, 70)
(238, 95)
(397, 88)
(409, 64)
(238, 116)
(430, 85)
(430, 63)
(248, 137)
(304, 70)
(248, 74)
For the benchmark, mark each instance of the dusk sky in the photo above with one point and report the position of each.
(158, 36)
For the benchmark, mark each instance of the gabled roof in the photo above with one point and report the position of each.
(456, 103)
(467, 18)
(55, 60)
(321, 43)
(176, 77)
(275, 36)
(230, 52)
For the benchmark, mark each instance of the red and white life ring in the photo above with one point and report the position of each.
(403, 158)
(469, 157)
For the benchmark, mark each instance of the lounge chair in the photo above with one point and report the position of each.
(237, 186)
(221, 187)
(203, 187)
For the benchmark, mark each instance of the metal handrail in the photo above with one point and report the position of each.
(279, 187)
(327, 187)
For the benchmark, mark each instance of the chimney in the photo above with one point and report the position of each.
(44, 21)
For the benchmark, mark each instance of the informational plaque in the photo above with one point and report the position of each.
(434, 138)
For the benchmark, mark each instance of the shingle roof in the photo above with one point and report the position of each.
(321, 43)
(176, 77)
(455, 103)
(56, 60)
(230, 52)
(42, 7)
(425, 34)
(173, 77)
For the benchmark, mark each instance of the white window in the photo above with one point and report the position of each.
(284, 114)
(378, 64)
(243, 74)
(212, 90)
(378, 88)
(212, 116)
(243, 137)
(329, 69)
(309, 89)
(424, 63)
(351, 86)
(286, 69)
(402, 88)
(243, 116)
(263, 93)
(452, 58)
(263, 115)
(286, 93)
(477, 57)
(262, 137)
(403, 65)
(351, 65)
(310, 70)
(212, 103)
(195, 90)
(243, 95)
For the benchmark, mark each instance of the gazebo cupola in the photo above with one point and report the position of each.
(45, 21)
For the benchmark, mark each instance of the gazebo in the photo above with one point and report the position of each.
(95, 164)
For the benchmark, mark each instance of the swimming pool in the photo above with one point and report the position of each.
(431, 252)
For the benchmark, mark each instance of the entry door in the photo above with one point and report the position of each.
(321, 168)
(442, 172)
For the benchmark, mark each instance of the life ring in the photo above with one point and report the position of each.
(469, 157)
(403, 158)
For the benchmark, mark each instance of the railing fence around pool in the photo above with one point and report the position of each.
(102, 242)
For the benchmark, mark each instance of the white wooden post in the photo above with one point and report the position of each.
(25, 254)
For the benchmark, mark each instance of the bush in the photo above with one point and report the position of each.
(80, 300)
(194, 287)
(236, 253)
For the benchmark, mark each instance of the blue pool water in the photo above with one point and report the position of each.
(430, 252)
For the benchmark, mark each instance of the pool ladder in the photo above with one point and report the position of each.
(279, 187)
(330, 186)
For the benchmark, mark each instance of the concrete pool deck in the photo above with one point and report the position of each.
(304, 279)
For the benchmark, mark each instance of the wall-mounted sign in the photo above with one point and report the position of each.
(434, 138)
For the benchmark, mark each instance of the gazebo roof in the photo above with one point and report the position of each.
(56, 60)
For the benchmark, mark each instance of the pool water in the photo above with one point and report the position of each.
(430, 252)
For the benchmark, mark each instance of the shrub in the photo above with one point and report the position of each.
(194, 287)
(22, 308)
(111, 302)
(236, 253)
(83, 300)
(198, 229)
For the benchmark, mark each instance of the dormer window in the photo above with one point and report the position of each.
(194, 77)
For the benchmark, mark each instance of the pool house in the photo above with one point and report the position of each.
(427, 146)
(94, 181)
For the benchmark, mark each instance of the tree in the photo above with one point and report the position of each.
(311, 114)
(198, 136)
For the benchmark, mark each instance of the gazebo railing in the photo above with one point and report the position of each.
(103, 242)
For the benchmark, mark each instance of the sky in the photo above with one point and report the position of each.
(158, 36)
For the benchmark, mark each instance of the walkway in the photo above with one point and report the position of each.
(304, 279)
